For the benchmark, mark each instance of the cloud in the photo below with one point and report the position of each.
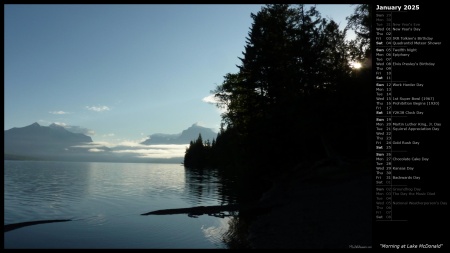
(93, 145)
(199, 123)
(98, 108)
(59, 112)
(128, 143)
(96, 150)
(60, 124)
(155, 152)
(73, 129)
(44, 122)
(79, 130)
(133, 149)
(211, 99)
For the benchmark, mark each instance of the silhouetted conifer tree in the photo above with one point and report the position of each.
(294, 89)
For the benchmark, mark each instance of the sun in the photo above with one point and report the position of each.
(355, 65)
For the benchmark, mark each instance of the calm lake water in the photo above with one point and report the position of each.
(104, 202)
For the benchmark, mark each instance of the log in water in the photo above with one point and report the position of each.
(13, 226)
(199, 210)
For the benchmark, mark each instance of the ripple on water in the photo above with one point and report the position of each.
(105, 202)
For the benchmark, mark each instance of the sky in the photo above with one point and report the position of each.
(119, 73)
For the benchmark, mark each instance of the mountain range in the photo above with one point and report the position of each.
(54, 142)
(41, 141)
(190, 134)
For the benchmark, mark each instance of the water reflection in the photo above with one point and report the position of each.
(236, 235)
(216, 233)
(201, 186)
(207, 185)
(211, 184)
(103, 202)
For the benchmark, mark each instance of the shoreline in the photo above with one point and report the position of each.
(328, 208)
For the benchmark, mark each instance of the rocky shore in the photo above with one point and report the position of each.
(328, 205)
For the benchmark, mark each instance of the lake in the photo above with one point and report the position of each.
(104, 202)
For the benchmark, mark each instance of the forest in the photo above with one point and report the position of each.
(295, 100)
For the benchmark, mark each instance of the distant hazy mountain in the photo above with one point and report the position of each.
(190, 134)
(54, 142)
(40, 141)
